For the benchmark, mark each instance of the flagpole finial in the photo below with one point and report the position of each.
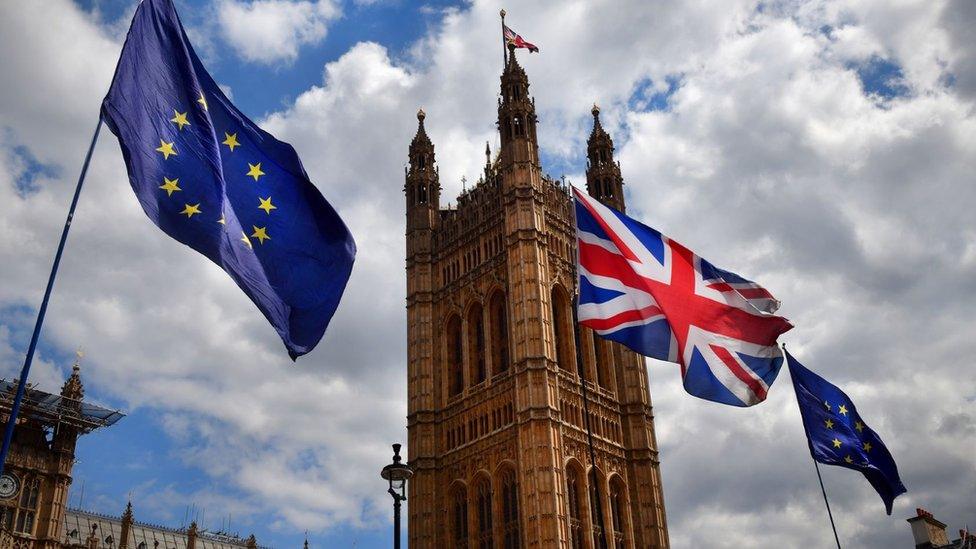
(421, 114)
(596, 110)
(502, 13)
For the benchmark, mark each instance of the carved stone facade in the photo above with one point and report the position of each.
(496, 420)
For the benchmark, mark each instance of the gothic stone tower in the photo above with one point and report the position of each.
(496, 428)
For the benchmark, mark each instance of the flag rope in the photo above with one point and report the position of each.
(22, 384)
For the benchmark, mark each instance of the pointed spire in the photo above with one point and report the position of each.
(126, 526)
(421, 137)
(306, 539)
(73, 388)
(603, 179)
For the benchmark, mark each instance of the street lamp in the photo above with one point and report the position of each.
(397, 474)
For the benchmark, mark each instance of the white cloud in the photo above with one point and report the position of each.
(770, 161)
(273, 31)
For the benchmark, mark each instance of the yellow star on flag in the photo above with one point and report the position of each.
(842, 410)
(848, 459)
(261, 233)
(166, 149)
(180, 119)
(244, 239)
(202, 101)
(867, 446)
(255, 170)
(189, 210)
(231, 141)
(836, 443)
(827, 405)
(169, 185)
(222, 221)
(859, 426)
(829, 423)
(266, 205)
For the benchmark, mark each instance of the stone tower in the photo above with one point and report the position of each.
(495, 413)
(37, 473)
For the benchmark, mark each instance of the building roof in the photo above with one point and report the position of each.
(78, 526)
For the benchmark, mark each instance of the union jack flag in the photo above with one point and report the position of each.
(646, 291)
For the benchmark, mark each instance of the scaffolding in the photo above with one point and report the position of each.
(50, 409)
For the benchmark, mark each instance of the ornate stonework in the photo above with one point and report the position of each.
(496, 428)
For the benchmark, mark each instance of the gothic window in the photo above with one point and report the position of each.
(27, 507)
(422, 162)
(510, 510)
(562, 330)
(422, 194)
(455, 359)
(575, 486)
(517, 125)
(618, 503)
(476, 344)
(486, 538)
(604, 361)
(459, 519)
(499, 333)
(599, 542)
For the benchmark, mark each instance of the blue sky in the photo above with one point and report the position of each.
(823, 148)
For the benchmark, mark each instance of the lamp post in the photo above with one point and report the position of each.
(397, 474)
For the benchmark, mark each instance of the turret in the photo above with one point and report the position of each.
(603, 179)
(516, 115)
(126, 530)
(422, 186)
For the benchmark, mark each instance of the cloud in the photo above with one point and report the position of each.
(770, 159)
(272, 31)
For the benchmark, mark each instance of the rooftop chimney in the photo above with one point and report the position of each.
(928, 531)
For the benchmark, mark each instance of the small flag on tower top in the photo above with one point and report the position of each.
(211, 178)
(513, 38)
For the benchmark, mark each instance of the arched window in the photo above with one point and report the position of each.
(599, 541)
(510, 510)
(618, 506)
(604, 361)
(574, 493)
(476, 345)
(455, 357)
(562, 330)
(499, 333)
(486, 538)
(459, 518)
(27, 506)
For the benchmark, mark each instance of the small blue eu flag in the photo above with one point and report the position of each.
(209, 177)
(839, 436)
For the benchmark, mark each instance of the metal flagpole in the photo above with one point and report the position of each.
(586, 406)
(15, 409)
(504, 45)
(820, 478)
(827, 503)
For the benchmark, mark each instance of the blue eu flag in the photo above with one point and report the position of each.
(209, 177)
(839, 436)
